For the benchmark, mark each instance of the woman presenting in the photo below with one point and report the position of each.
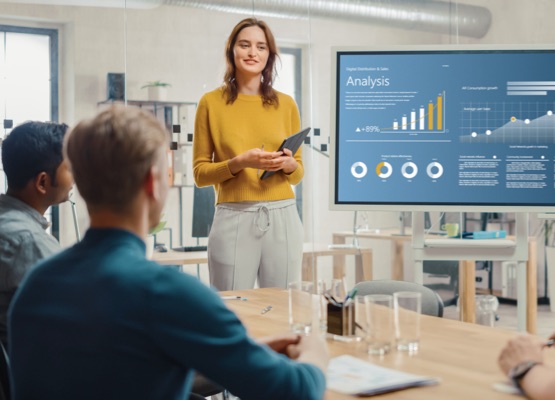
(256, 232)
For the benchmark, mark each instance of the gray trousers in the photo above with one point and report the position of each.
(250, 240)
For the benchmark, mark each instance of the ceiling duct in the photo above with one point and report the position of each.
(423, 15)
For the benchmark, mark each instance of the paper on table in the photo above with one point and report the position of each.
(350, 375)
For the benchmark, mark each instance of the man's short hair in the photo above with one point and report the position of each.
(31, 148)
(111, 154)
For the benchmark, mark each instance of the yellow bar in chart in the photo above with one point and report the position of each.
(430, 116)
(439, 113)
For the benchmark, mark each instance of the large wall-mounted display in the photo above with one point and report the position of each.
(443, 128)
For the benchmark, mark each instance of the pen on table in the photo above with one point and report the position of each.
(351, 294)
(231, 297)
(350, 297)
(258, 170)
(266, 309)
(359, 326)
(332, 300)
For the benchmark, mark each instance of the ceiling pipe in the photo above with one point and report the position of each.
(423, 15)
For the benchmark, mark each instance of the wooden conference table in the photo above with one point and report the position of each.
(462, 355)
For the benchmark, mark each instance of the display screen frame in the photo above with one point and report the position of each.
(403, 202)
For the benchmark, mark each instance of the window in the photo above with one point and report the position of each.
(289, 81)
(28, 83)
(289, 74)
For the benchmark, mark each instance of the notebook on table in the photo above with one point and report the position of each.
(353, 376)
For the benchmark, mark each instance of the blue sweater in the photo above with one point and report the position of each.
(99, 321)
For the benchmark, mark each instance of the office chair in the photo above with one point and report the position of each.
(431, 302)
(448, 269)
(4, 374)
(204, 387)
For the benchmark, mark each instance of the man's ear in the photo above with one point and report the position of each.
(151, 182)
(42, 182)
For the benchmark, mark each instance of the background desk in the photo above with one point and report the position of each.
(181, 258)
(463, 356)
(467, 272)
(397, 245)
(311, 252)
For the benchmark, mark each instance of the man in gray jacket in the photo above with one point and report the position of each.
(37, 179)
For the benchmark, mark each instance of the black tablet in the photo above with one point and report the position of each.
(292, 143)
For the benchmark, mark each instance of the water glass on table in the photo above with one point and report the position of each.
(301, 308)
(379, 323)
(407, 307)
(361, 323)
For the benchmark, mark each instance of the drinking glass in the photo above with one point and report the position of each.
(300, 306)
(379, 317)
(408, 307)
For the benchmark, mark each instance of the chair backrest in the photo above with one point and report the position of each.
(431, 302)
(4, 374)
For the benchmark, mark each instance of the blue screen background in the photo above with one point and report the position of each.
(496, 139)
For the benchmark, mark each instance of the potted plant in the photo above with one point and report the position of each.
(157, 90)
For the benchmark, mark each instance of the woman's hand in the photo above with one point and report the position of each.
(289, 164)
(263, 160)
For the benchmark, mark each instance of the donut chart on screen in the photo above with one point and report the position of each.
(409, 170)
(434, 170)
(384, 170)
(359, 170)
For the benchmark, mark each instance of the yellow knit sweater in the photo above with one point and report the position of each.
(223, 131)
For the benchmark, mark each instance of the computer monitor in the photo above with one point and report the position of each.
(443, 128)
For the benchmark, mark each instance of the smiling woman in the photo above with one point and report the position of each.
(238, 127)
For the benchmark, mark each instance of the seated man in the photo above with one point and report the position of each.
(522, 361)
(99, 320)
(37, 179)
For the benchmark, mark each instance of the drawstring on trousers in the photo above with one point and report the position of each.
(263, 211)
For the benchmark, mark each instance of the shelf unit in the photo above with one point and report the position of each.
(177, 117)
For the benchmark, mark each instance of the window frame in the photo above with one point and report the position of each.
(53, 35)
(296, 52)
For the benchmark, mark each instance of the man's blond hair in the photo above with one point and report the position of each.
(111, 154)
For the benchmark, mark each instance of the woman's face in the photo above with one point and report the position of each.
(250, 51)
